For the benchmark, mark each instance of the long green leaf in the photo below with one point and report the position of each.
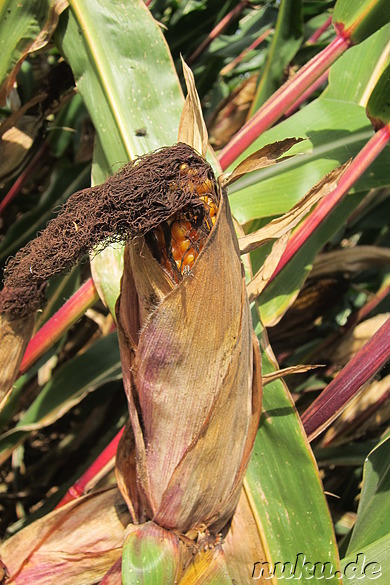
(124, 74)
(371, 563)
(372, 522)
(285, 489)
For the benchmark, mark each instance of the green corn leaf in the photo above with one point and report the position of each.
(378, 106)
(358, 19)
(371, 563)
(287, 496)
(374, 506)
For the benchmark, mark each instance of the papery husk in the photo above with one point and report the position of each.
(245, 545)
(194, 401)
(76, 544)
(208, 568)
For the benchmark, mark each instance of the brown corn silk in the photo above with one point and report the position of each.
(134, 201)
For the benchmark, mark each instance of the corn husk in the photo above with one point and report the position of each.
(194, 404)
(78, 543)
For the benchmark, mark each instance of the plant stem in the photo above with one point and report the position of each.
(228, 68)
(358, 166)
(23, 177)
(281, 101)
(217, 30)
(322, 79)
(93, 473)
(317, 34)
(365, 364)
(56, 326)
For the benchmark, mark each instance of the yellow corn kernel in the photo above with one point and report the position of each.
(183, 246)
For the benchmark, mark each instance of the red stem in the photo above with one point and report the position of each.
(243, 54)
(281, 101)
(217, 30)
(81, 486)
(358, 166)
(316, 34)
(23, 177)
(359, 370)
(56, 326)
(306, 94)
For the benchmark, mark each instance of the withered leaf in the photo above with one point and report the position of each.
(267, 155)
(192, 127)
(14, 337)
(282, 225)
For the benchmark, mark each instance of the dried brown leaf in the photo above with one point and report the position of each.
(265, 157)
(282, 225)
(232, 113)
(245, 544)
(355, 339)
(192, 128)
(14, 337)
(299, 369)
(54, 10)
(350, 260)
(76, 544)
(367, 411)
(262, 276)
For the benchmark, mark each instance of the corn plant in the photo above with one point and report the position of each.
(187, 305)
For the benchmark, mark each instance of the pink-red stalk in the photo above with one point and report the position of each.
(358, 166)
(23, 177)
(56, 326)
(306, 94)
(318, 33)
(359, 370)
(228, 68)
(82, 485)
(281, 101)
(217, 30)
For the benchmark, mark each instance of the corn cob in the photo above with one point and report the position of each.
(177, 242)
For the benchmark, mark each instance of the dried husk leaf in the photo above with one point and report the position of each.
(208, 568)
(190, 374)
(14, 337)
(76, 544)
(244, 545)
(264, 157)
(262, 276)
(299, 369)
(354, 340)
(350, 260)
(55, 7)
(367, 411)
(113, 575)
(282, 225)
(192, 127)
